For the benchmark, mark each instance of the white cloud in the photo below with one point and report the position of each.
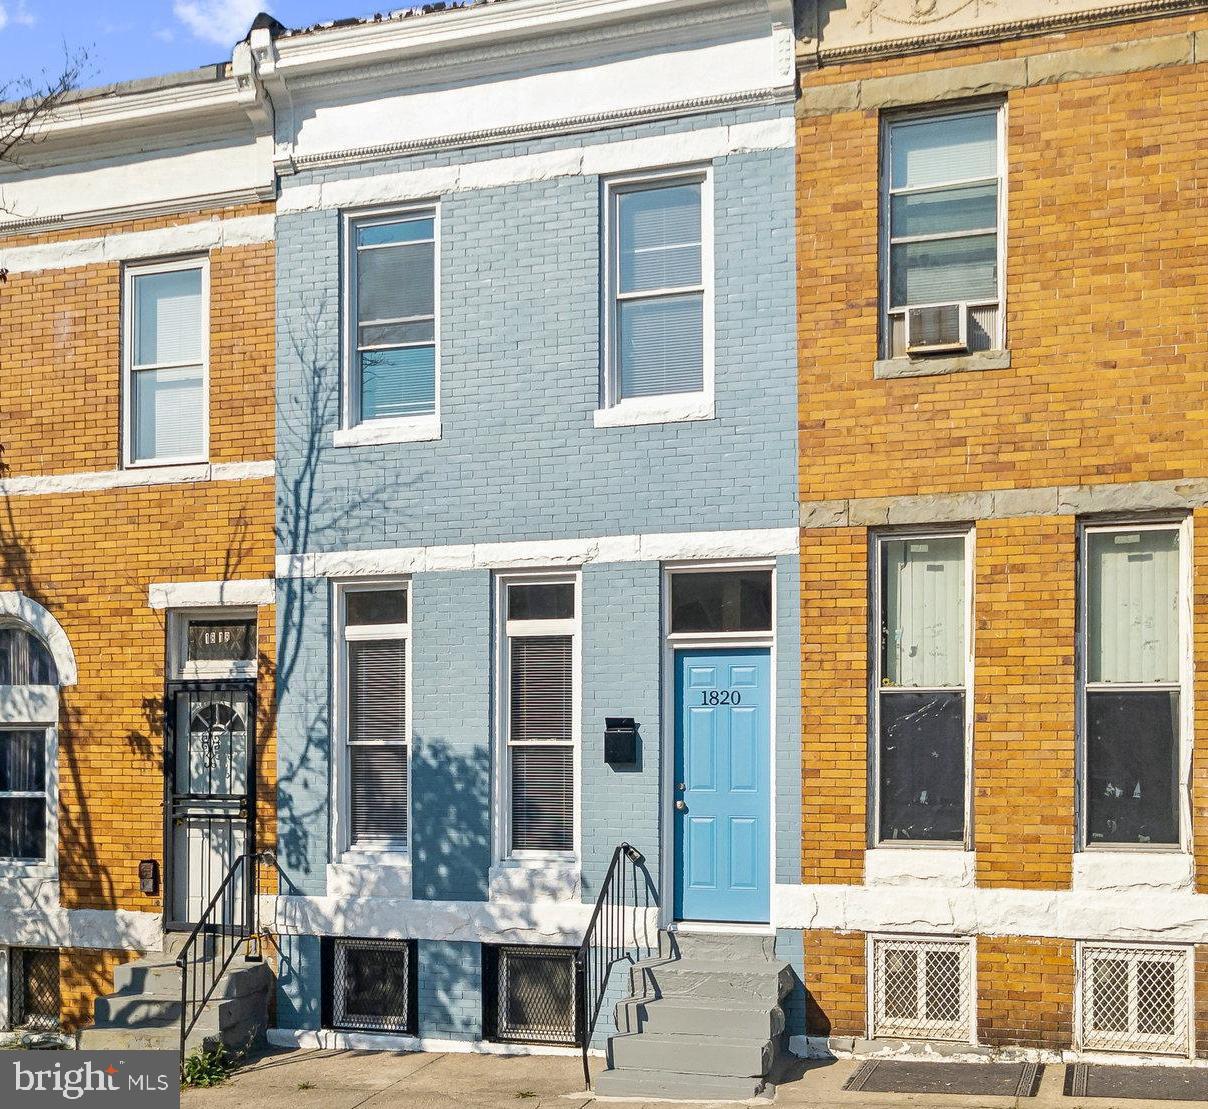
(165, 34)
(20, 15)
(220, 21)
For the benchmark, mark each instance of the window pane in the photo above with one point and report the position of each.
(1109, 995)
(541, 701)
(901, 984)
(168, 413)
(379, 794)
(660, 233)
(1133, 606)
(373, 987)
(22, 828)
(220, 640)
(948, 148)
(944, 270)
(396, 334)
(396, 283)
(1132, 743)
(923, 610)
(25, 660)
(168, 318)
(661, 345)
(973, 208)
(541, 602)
(542, 798)
(397, 383)
(401, 231)
(922, 767)
(942, 999)
(375, 606)
(377, 691)
(740, 601)
(537, 994)
(22, 762)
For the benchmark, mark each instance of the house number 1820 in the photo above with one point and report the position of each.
(720, 697)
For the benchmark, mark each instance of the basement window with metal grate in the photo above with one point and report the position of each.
(922, 989)
(530, 995)
(33, 984)
(1137, 999)
(371, 985)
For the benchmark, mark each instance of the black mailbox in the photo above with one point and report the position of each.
(620, 741)
(148, 877)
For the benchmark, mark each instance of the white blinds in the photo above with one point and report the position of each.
(168, 407)
(541, 689)
(923, 612)
(168, 318)
(944, 149)
(542, 798)
(379, 794)
(1133, 606)
(377, 739)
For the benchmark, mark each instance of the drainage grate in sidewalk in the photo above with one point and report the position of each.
(1137, 1083)
(894, 1076)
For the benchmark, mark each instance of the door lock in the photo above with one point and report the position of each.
(681, 786)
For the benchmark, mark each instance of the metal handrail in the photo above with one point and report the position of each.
(239, 889)
(604, 943)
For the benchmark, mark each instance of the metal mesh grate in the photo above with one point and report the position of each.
(537, 995)
(372, 985)
(34, 988)
(922, 989)
(1136, 999)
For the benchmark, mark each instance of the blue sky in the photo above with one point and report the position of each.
(140, 38)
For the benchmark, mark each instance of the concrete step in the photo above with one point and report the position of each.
(159, 978)
(699, 1016)
(133, 1010)
(167, 1037)
(717, 946)
(675, 1086)
(719, 1055)
(744, 980)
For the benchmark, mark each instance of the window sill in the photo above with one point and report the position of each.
(681, 408)
(166, 463)
(1143, 869)
(932, 367)
(548, 879)
(361, 873)
(416, 429)
(950, 866)
(28, 868)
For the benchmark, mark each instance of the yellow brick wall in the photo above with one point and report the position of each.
(835, 998)
(1025, 992)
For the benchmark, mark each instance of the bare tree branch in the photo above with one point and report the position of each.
(26, 103)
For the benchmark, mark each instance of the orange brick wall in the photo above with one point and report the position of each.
(85, 974)
(1025, 992)
(835, 998)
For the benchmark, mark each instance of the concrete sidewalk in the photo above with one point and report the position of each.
(290, 1079)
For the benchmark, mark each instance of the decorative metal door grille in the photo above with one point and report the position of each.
(34, 988)
(536, 998)
(372, 985)
(1136, 999)
(922, 989)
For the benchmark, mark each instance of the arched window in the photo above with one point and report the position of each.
(24, 658)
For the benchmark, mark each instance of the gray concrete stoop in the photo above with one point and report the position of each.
(703, 1020)
(143, 1012)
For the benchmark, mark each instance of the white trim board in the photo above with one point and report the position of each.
(38, 924)
(589, 160)
(122, 246)
(329, 1039)
(651, 547)
(212, 594)
(94, 481)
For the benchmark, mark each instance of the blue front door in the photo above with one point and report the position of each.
(722, 786)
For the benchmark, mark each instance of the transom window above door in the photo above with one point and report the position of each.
(214, 643)
(391, 299)
(721, 602)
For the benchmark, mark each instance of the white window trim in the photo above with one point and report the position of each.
(129, 273)
(875, 939)
(178, 624)
(353, 431)
(48, 866)
(559, 868)
(935, 111)
(874, 680)
(1184, 686)
(670, 407)
(344, 852)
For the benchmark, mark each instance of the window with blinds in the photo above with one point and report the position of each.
(943, 184)
(657, 273)
(922, 661)
(540, 715)
(1132, 685)
(393, 298)
(376, 638)
(166, 348)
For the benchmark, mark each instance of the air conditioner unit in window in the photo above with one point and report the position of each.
(937, 329)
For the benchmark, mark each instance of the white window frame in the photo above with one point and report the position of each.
(875, 943)
(876, 662)
(670, 407)
(1184, 686)
(888, 311)
(394, 855)
(48, 865)
(129, 273)
(178, 664)
(353, 430)
(502, 787)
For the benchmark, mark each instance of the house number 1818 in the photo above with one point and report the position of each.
(720, 697)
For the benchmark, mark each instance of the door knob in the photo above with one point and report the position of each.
(681, 805)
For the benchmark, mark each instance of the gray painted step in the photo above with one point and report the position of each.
(699, 1016)
(158, 978)
(682, 1087)
(746, 980)
(718, 1055)
(135, 1010)
(717, 946)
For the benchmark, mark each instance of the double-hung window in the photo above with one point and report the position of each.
(1133, 696)
(921, 658)
(391, 297)
(942, 232)
(539, 690)
(376, 635)
(658, 288)
(166, 354)
(24, 800)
